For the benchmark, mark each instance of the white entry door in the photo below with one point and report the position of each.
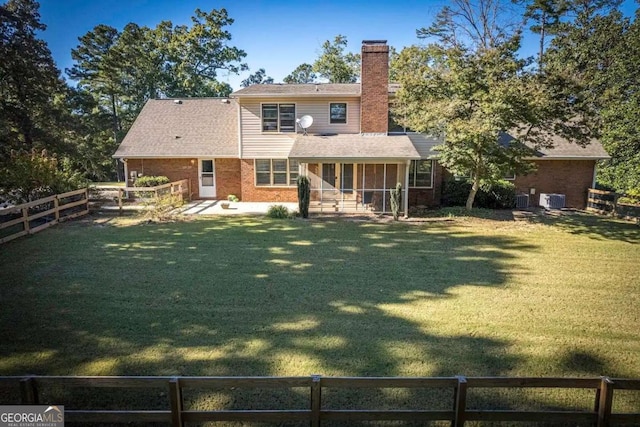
(207, 173)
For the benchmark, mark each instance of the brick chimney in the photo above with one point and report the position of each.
(374, 84)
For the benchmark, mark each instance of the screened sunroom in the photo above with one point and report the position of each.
(352, 173)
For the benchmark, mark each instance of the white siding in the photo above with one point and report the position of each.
(258, 144)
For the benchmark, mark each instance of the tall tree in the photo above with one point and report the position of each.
(98, 69)
(596, 54)
(37, 139)
(31, 91)
(121, 70)
(336, 65)
(470, 86)
(545, 16)
(257, 78)
(621, 127)
(196, 55)
(302, 74)
(580, 55)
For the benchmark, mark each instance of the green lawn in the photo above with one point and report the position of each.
(252, 296)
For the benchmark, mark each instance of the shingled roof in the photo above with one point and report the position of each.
(564, 149)
(353, 147)
(305, 89)
(190, 127)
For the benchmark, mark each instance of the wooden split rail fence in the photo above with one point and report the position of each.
(604, 392)
(607, 203)
(40, 214)
(182, 187)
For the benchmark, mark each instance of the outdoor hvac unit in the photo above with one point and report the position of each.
(522, 201)
(552, 201)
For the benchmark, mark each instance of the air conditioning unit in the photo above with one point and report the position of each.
(522, 201)
(552, 201)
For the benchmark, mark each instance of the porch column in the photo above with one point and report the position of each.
(126, 176)
(406, 188)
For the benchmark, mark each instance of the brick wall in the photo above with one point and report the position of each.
(429, 197)
(174, 169)
(228, 178)
(375, 88)
(227, 173)
(251, 193)
(569, 177)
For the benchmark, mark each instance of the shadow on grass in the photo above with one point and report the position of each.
(462, 212)
(246, 297)
(594, 226)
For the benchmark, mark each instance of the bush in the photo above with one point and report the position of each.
(631, 197)
(151, 181)
(304, 195)
(233, 198)
(278, 212)
(628, 201)
(396, 201)
(32, 175)
(455, 193)
(162, 208)
(501, 195)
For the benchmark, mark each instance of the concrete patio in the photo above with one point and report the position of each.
(214, 207)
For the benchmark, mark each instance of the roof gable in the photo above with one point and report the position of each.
(189, 127)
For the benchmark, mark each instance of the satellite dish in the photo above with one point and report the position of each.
(305, 122)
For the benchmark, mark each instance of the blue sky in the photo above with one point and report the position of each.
(277, 35)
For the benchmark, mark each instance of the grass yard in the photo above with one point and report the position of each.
(252, 296)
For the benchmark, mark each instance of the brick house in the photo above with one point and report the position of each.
(251, 145)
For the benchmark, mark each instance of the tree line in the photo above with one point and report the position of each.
(465, 79)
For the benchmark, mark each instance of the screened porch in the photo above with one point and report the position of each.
(354, 187)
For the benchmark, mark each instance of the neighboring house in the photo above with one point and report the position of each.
(251, 145)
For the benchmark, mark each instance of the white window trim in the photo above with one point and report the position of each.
(346, 113)
(273, 132)
(414, 173)
(271, 184)
(510, 178)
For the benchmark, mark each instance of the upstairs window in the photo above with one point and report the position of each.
(394, 126)
(278, 117)
(421, 174)
(338, 113)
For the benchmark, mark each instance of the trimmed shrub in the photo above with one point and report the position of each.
(151, 181)
(304, 195)
(455, 193)
(396, 201)
(500, 195)
(278, 212)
